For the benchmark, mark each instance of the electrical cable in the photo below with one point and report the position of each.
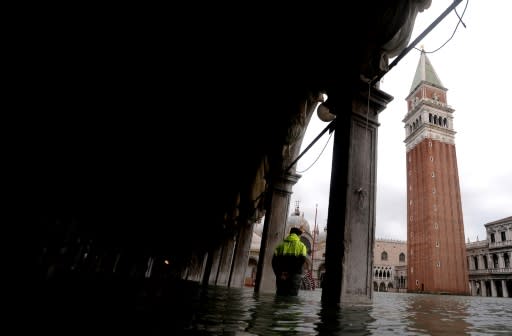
(328, 139)
(454, 31)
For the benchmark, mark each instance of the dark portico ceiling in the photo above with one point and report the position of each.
(160, 152)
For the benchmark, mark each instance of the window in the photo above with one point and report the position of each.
(503, 236)
(438, 264)
(495, 261)
(384, 256)
(437, 244)
(492, 238)
(401, 257)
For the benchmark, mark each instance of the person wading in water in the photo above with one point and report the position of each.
(287, 262)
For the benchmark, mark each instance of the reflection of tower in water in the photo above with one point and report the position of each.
(438, 315)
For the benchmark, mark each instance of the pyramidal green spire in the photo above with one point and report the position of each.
(425, 72)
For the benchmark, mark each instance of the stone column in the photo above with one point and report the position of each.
(213, 264)
(471, 263)
(226, 258)
(504, 286)
(351, 215)
(472, 287)
(483, 289)
(493, 288)
(480, 261)
(280, 189)
(241, 257)
(501, 260)
(251, 208)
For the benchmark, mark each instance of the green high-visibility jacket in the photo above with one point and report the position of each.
(290, 255)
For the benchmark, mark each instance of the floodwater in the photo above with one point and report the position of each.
(235, 311)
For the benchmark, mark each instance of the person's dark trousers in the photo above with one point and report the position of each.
(288, 284)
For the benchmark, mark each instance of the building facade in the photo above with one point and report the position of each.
(435, 229)
(490, 271)
(390, 265)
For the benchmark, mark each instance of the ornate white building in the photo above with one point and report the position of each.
(490, 271)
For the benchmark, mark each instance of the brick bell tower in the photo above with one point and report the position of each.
(435, 229)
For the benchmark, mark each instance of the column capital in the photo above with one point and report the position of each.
(284, 182)
(375, 97)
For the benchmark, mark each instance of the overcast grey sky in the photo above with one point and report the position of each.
(475, 68)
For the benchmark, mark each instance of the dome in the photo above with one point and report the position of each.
(296, 219)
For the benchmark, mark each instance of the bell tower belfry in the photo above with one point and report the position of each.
(435, 229)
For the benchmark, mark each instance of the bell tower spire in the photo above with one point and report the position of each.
(428, 113)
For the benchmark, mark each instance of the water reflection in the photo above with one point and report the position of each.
(344, 320)
(437, 314)
(223, 311)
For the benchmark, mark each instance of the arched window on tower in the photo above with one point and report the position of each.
(435, 120)
(430, 117)
(401, 257)
(445, 122)
(384, 256)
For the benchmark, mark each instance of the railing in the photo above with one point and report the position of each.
(479, 243)
(504, 270)
(500, 244)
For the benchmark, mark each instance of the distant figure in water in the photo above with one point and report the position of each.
(287, 263)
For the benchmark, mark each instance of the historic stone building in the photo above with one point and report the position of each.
(435, 228)
(490, 271)
(389, 265)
